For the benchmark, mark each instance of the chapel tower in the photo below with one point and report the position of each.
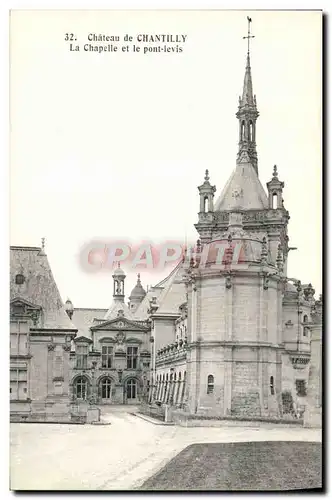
(235, 305)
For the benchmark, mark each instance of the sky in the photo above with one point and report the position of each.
(112, 146)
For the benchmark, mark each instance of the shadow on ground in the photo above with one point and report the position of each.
(254, 466)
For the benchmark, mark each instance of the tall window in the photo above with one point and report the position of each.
(132, 388)
(132, 358)
(274, 201)
(301, 388)
(210, 384)
(250, 131)
(242, 130)
(305, 328)
(106, 386)
(81, 388)
(82, 357)
(272, 386)
(18, 383)
(205, 204)
(178, 396)
(106, 356)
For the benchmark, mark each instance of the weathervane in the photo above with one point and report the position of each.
(249, 34)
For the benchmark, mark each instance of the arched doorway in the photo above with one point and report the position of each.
(131, 391)
(105, 390)
(81, 388)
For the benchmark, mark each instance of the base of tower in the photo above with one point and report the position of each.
(194, 420)
(313, 417)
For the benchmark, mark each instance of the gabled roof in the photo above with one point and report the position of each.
(39, 287)
(243, 191)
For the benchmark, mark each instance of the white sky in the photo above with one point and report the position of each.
(107, 146)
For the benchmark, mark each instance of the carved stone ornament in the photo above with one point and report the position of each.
(228, 281)
(120, 337)
(66, 347)
(51, 347)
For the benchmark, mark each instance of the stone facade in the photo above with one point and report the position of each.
(40, 339)
(227, 334)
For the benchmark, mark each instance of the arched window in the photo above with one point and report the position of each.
(305, 328)
(106, 388)
(210, 384)
(81, 388)
(274, 201)
(250, 131)
(242, 130)
(131, 389)
(205, 204)
(272, 386)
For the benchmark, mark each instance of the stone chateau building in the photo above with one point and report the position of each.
(227, 340)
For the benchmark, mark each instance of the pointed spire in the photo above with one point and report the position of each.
(248, 98)
(247, 115)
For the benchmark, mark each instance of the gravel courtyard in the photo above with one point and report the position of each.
(119, 456)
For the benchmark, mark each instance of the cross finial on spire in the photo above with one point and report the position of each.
(249, 33)
(206, 178)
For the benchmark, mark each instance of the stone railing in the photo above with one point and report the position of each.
(172, 352)
(153, 411)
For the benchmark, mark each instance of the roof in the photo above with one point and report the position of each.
(138, 291)
(116, 306)
(39, 286)
(119, 272)
(83, 318)
(247, 93)
(174, 293)
(141, 312)
(243, 191)
(155, 291)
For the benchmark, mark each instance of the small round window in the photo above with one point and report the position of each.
(19, 279)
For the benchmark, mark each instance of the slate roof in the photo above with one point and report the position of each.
(243, 191)
(141, 312)
(83, 318)
(116, 306)
(174, 293)
(39, 286)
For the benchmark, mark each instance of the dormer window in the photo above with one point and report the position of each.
(18, 309)
(19, 279)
